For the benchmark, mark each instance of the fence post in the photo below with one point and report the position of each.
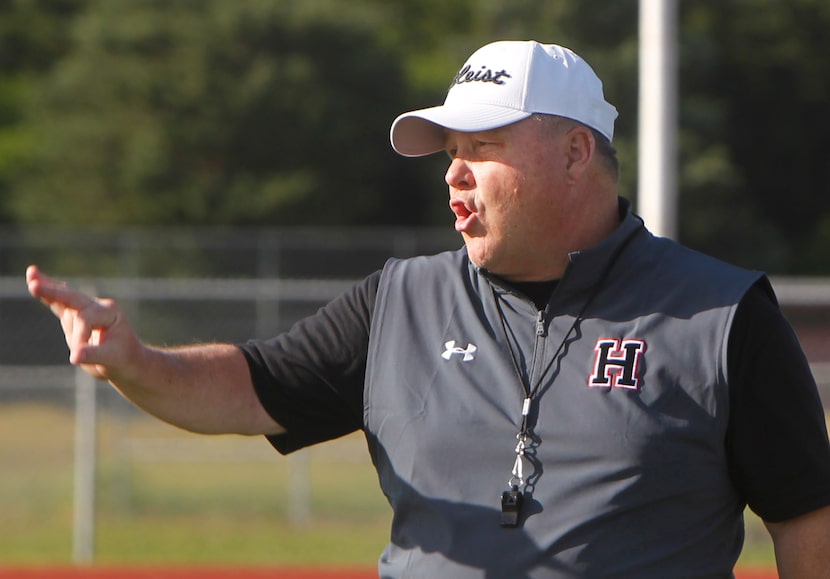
(267, 324)
(86, 449)
(299, 488)
(83, 538)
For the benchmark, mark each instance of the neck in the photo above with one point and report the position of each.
(594, 215)
(588, 224)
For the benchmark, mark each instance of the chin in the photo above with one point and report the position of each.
(486, 264)
(481, 255)
(477, 259)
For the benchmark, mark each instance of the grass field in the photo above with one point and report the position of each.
(169, 498)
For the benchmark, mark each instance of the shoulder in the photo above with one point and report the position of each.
(428, 270)
(435, 283)
(681, 258)
(437, 263)
(676, 266)
(659, 267)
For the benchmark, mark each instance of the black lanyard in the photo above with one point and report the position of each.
(512, 498)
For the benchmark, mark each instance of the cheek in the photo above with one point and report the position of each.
(508, 190)
(507, 197)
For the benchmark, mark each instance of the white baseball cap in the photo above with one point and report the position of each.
(505, 82)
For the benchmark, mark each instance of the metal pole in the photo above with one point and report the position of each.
(83, 539)
(657, 170)
(299, 488)
(267, 324)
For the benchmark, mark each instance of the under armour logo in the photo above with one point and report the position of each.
(617, 364)
(468, 353)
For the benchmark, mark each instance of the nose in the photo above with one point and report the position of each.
(459, 175)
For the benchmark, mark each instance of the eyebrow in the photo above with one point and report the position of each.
(497, 132)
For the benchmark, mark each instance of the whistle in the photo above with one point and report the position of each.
(511, 505)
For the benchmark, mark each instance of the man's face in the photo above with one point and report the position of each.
(508, 192)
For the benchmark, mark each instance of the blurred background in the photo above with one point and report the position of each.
(223, 168)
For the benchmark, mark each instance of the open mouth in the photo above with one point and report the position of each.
(464, 214)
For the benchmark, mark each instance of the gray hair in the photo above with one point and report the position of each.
(556, 125)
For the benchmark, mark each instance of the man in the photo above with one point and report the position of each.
(566, 396)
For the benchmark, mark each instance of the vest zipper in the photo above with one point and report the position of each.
(538, 347)
(540, 324)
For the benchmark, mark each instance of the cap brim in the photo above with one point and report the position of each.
(421, 132)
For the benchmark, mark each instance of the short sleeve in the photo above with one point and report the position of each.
(777, 440)
(310, 379)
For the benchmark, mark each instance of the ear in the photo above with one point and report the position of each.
(580, 148)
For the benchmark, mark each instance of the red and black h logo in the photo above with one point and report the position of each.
(617, 363)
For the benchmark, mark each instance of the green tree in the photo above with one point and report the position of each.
(257, 112)
(755, 81)
(277, 112)
(215, 112)
(32, 37)
(777, 77)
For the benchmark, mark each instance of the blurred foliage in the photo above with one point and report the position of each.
(267, 112)
(208, 112)
(755, 98)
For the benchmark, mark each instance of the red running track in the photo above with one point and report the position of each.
(233, 573)
(104, 572)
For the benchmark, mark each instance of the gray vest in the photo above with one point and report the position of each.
(626, 469)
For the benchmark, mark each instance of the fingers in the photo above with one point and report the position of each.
(53, 292)
(84, 319)
(85, 328)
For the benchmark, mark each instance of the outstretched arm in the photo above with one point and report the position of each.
(204, 388)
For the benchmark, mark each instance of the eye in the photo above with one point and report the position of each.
(485, 144)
